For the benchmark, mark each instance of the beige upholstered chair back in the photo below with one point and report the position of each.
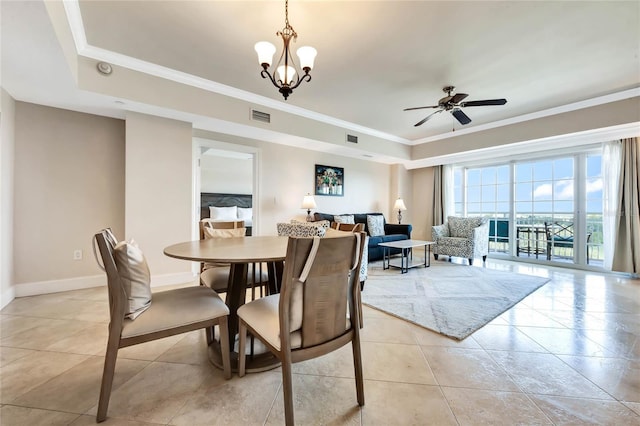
(319, 290)
(218, 224)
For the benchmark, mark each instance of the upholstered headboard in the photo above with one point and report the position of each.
(216, 199)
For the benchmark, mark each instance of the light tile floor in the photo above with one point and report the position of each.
(567, 354)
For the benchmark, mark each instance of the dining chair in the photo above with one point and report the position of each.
(216, 275)
(316, 312)
(171, 312)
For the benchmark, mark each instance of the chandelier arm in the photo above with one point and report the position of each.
(306, 77)
(264, 73)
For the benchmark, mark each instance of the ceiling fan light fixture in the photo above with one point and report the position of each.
(289, 74)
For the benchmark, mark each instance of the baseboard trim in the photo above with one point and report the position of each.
(79, 283)
(7, 296)
(171, 279)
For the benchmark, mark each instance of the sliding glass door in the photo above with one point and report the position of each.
(548, 209)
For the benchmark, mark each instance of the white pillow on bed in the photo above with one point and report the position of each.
(245, 213)
(223, 213)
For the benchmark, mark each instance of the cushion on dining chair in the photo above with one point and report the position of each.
(185, 306)
(135, 277)
(264, 315)
(216, 277)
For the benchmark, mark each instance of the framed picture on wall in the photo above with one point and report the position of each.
(329, 180)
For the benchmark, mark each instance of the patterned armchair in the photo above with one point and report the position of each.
(462, 237)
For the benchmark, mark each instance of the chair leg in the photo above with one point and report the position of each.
(470, 261)
(242, 357)
(107, 379)
(435, 256)
(484, 258)
(357, 367)
(287, 390)
(223, 325)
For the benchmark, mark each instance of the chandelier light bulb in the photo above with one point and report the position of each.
(307, 55)
(265, 51)
(287, 77)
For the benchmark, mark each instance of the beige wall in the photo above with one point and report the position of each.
(158, 204)
(77, 173)
(69, 183)
(287, 175)
(422, 202)
(7, 146)
(226, 175)
(401, 186)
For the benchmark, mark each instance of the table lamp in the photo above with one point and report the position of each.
(308, 203)
(399, 205)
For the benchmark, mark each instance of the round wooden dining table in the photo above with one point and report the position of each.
(239, 252)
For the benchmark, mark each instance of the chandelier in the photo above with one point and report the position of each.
(288, 72)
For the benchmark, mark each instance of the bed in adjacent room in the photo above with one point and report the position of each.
(218, 206)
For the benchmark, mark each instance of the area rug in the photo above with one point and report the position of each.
(451, 299)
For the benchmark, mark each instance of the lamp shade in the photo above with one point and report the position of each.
(286, 77)
(265, 52)
(308, 202)
(399, 205)
(307, 55)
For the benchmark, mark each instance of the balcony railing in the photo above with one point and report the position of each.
(551, 242)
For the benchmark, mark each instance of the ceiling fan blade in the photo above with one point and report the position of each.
(419, 123)
(458, 97)
(483, 103)
(461, 116)
(411, 109)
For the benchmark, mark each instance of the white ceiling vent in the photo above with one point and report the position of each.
(260, 116)
(352, 138)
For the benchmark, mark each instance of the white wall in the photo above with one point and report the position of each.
(158, 197)
(69, 183)
(7, 146)
(287, 174)
(226, 175)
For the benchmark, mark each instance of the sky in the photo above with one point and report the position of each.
(541, 187)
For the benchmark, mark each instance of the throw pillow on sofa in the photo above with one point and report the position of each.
(375, 224)
(345, 218)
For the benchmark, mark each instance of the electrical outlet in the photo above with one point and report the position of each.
(77, 255)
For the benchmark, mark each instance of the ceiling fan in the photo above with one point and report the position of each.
(453, 104)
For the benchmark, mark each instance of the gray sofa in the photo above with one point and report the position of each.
(392, 232)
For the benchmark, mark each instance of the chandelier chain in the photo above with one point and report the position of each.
(286, 14)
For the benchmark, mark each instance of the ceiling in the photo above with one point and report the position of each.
(375, 58)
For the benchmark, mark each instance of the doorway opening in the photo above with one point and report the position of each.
(225, 181)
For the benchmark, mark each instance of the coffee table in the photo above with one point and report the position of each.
(406, 261)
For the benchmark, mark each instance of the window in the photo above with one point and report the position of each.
(543, 208)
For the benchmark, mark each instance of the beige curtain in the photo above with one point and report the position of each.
(626, 254)
(438, 196)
